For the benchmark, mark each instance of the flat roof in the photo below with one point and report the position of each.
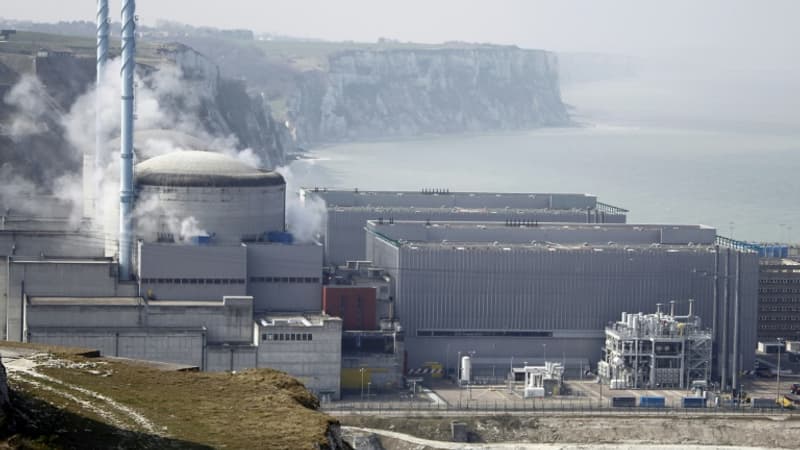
(183, 303)
(85, 301)
(537, 235)
(442, 198)
(61, 260)
(456, 209)
(119, 301)
(294, 320)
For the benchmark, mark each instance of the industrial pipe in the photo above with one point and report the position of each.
(126, 140)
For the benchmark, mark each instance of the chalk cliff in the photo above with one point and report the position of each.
(409, 92)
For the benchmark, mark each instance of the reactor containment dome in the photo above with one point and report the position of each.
(226, 199)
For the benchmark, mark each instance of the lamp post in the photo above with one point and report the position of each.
(544, 352)
(472, 364)
(362, 383)
(458, 368)
(447, 361)
(369, 384)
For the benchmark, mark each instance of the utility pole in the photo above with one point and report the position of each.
(778, 381)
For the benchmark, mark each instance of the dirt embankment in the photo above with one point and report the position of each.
(747, 431)
(70, 401)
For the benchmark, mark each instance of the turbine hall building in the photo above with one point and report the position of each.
(348, 211)
(526, 292)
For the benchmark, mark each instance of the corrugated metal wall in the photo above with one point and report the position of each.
(575, 290)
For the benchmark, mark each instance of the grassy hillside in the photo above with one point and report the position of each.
(27, 43)
(70, 401)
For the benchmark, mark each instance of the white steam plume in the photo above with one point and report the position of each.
(305, 216)
(32, 107)
(166, 101)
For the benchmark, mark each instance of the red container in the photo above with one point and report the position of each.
(357, 306)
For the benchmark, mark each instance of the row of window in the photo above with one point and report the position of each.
(779, 299)
(285, 280)
(779, 281)
(483, 333)
(778, 291)
(780, 318)
(778, 308)
(315, 280)
(287, 337)
(192, 280)
(781, 326)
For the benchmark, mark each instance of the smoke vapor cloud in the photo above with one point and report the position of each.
(305, 216)
(32, 107)
(171, 115)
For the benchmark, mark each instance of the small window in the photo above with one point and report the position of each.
(310, 337)
(284, 280)
(264, 337)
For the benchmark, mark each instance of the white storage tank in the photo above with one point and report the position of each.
(185, 194)
(466, 368)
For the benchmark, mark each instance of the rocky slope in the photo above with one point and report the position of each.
(408, 92)
(223, 106)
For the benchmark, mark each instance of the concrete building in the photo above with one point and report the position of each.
(212, 258)
(184, 332)
(348, 211)
(550, 289)
(779, 299)
(308, 347)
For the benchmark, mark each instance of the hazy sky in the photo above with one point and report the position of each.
(622, 26)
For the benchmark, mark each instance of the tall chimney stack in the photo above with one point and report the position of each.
(102, 56)
(126, 140)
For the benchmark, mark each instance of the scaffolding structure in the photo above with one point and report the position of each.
(655, 351)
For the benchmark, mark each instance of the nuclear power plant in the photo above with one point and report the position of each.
(194, 266)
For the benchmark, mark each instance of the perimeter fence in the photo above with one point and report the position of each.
(536, 406)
